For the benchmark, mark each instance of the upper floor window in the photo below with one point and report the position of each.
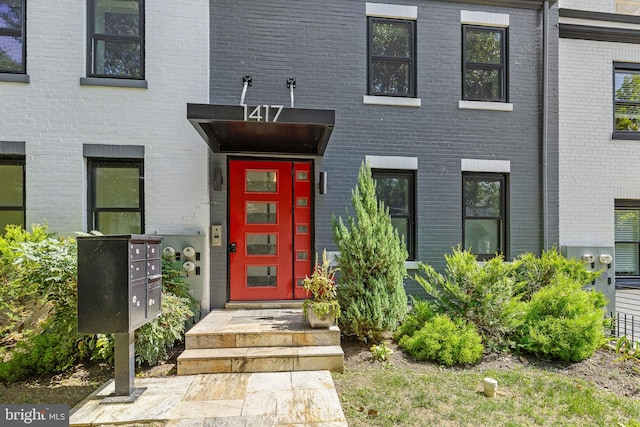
(116, 196)
(484, 65)
(12, 194)
(627, 101)
(392, 57)
(396, 188)
(484, 214)
(13, 50)
(115, 38)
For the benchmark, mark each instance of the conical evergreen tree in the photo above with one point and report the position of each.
(372, 256)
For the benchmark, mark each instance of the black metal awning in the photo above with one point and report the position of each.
(263, 128)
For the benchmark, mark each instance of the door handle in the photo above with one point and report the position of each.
(232, 247)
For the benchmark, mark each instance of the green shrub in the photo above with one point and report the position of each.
(480, 294)
(445, 341)
(371, 261)
(154, 338)
(420, 312)
(52, 350)
(563, 321)
(21, 303)
(534, 272)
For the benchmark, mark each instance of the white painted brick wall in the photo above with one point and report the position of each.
(594, 169)
(592, 5)
(55, 116)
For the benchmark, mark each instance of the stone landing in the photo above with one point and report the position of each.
(259, 340)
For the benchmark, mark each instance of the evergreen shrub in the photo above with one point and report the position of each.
(445, 341)
(372, 265)
(420, 313)
(481, 294)
(563, 321)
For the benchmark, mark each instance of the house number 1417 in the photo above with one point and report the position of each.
(261, 113)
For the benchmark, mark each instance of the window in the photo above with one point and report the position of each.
(397, 189)
(627, 101)
(12, 194)
(116, 197)
(116, 39)
(484, 62)
(13, 51)
(484, 215)
(627, 239)
(392, 54)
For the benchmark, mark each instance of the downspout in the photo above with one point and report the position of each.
(545, 124)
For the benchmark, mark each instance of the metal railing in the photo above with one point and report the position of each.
(625, 324)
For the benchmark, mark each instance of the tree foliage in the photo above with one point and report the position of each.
(371, 261)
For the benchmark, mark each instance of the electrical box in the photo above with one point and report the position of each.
(597, 258)
(188, 251)
(119, 282)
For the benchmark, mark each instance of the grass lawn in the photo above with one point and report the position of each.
(422, 394)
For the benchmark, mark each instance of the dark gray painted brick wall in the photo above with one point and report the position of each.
(323, 45)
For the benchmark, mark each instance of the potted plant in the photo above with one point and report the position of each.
(322, 309)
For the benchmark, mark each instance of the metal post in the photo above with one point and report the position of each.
(125, 364)
(124, 359)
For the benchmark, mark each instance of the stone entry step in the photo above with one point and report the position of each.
(259, 340)
(258, 328)
(261, 359)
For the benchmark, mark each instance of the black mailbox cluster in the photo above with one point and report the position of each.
(119, 282)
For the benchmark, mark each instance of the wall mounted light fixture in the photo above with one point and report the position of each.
(322, 185)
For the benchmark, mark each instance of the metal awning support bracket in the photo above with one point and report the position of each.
(246, 82)
(291, 85)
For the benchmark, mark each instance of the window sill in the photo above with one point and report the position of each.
(392, 101)
(626, 136)
(411, 265)
(101, 81)
(15, 78)
(483, 105)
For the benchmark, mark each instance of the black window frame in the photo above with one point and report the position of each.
(627, 279)
(16, 161)
(411, 61)
(624, 67)
(22, 33)
(504, 66)
(93, 38)
(410, 241)
(92, 211)
(503, 218)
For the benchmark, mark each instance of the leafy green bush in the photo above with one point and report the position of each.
(563, 321)
(535, 272)
(445, 341)
(371, 261)
(420, 313)
(480, 294)
(39, 303)
(21, 303)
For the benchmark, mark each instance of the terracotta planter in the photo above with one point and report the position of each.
(320, 322)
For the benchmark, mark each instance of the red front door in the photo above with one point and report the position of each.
(269, 229)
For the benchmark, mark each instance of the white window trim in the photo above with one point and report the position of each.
(392, 162)
(484, 18)
(393, 11)
(390, 100)
(331, 255)
(485, 105)
(481, 165)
